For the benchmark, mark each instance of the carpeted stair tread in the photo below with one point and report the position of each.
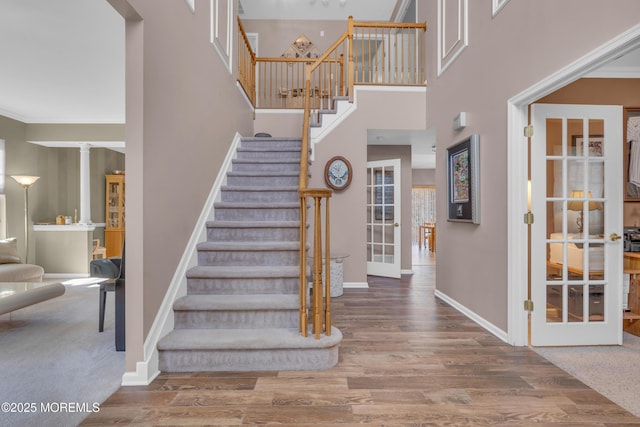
(269, 149)
(237, 302)
(247, 339)
(233, 272)
(262, 173)
(266, 161)
(268, 140)
(248, 246)
(253, 224)
(255, 205)
(273, 188)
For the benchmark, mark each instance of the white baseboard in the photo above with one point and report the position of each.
(141, 376)
(493, 329)
(406, 271)
(355, 285)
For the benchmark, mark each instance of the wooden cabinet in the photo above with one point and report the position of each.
(632, 315)
(115, 215)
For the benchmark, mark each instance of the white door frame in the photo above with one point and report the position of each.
(517, 161)
(385, 269)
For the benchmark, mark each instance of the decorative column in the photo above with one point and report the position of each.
(85, 184)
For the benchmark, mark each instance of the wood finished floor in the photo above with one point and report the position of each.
(407, 359)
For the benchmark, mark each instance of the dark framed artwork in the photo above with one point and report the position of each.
(463, 180)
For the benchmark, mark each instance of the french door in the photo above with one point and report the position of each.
(576, 250)
(383, 218)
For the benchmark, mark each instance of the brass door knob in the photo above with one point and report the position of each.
(615, 237)
(396, 225)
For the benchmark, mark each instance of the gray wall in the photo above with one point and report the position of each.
(423, 176)
(506, 54)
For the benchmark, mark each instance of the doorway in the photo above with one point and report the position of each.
(518, 158)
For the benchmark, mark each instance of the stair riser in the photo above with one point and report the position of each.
(252, 214)
(272, 144)
(218, 234)
(236, 319)
(229, 195)
(265, 181)
(248, 360)
(265, 167)
(243, 286)
(282, 155)
(248, 258)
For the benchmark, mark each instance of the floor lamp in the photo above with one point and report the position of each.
(26, 181)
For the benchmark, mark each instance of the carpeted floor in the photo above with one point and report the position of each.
(55, 365)
(610, 370)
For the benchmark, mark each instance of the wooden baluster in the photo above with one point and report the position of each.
(317, 269)
(327, 271)
(303, 267)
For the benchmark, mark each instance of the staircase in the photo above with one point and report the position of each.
(241, 309)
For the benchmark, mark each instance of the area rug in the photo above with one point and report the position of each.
(56, 367)
(610, 370)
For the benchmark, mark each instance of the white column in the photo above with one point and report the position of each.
(85, 184)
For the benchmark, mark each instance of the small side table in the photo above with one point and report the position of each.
(336, 270)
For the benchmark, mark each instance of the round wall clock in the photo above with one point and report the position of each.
(337, 173)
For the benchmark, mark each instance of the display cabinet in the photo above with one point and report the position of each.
(115, 215)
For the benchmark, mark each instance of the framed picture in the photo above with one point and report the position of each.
(463, 180)
(595, 145)
(631, 131)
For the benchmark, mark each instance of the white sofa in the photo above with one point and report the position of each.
(21, 284)
(575, 253)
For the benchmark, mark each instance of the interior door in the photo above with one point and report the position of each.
(576, 199)
(383, 218)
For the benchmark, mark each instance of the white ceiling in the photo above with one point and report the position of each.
(362, 10)
(63, 60)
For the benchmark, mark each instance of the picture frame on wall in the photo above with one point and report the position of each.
(463, 180)
(632, 154)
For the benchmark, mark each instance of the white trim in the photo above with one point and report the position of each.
(65, 275)
(355, 285)
(497, 6)
(148, 369)
(224, 49)
(406, 271)
(446, 57)
(69, 227)
(493, 329)
(517, 115)
(614, 74)
(244, 96)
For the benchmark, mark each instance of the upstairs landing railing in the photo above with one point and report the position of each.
(372, 53)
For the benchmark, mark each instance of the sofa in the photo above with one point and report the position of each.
(11, 267)
(21, 284)
(575, 253)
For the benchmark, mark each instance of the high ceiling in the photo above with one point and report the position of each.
(362, 10)
(63, 60)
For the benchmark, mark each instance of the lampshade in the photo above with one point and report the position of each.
(577, 205)
(25, 180)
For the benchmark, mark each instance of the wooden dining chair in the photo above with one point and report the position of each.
(98, 251)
